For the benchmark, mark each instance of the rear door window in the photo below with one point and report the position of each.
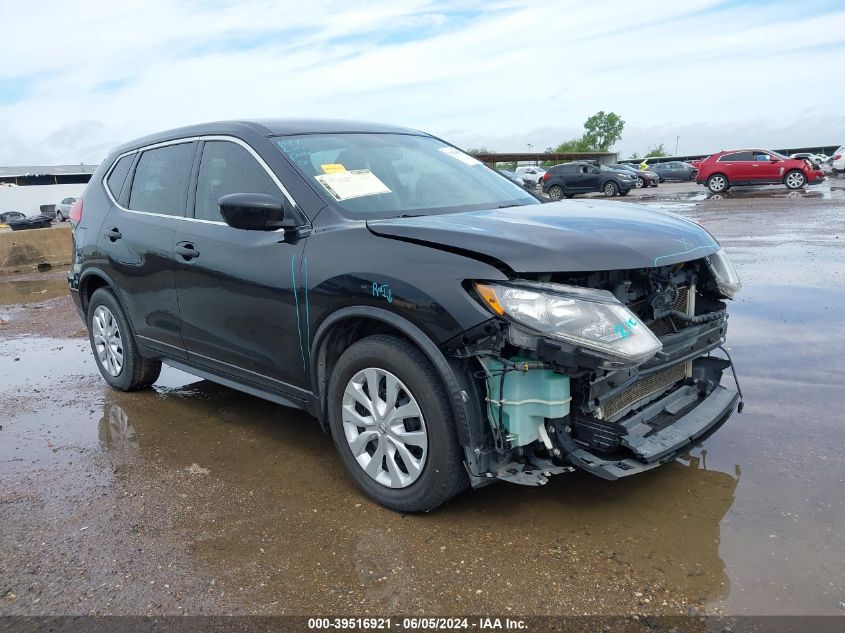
(228, 168)
(161, 180)
(737, 157)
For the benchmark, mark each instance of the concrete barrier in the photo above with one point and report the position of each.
(35, 249)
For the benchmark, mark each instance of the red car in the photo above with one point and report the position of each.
(755, 167)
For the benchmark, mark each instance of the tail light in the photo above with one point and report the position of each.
(837, 157)
(546, 176)
(76, 211)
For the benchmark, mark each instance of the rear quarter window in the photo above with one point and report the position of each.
(160, 184)
(118, 175)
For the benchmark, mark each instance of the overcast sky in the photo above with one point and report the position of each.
(77, 78)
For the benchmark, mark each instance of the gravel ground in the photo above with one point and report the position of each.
(193, 498)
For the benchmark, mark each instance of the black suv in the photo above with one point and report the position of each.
(446, 327)
(582, 177)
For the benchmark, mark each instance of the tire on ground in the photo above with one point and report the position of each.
(137, 372)
(443, 475)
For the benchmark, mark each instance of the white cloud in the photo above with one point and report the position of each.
(76, 79)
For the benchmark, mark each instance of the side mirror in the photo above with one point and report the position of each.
(255, 211)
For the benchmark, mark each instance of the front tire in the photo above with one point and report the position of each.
(717, 183)
(795, 179)
(610, 189)
(640, 183)
(113, 344)
(59, 216)
(392, 425)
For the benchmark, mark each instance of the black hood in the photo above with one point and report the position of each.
(567, 236)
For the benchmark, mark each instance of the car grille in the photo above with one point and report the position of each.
(653, 385)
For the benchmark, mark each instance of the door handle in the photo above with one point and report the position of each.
(187, 251)
(113, 234)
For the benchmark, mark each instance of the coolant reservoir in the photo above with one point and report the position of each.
(527, 399)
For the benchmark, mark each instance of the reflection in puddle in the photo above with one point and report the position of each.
(117, 434)
(14, 292)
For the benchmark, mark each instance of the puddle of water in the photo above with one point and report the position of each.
(14, 292)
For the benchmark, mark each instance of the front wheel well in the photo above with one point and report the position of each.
(337, 340)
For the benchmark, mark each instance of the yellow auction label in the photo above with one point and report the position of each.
(332, 168)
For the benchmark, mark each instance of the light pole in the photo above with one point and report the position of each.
(530, 146)
(677, 138)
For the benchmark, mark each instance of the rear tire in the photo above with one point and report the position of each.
(113, 344)
(610, 189)
(556, 192)
(794, 179)
(434, 472)
(717, 183)
(59, 216)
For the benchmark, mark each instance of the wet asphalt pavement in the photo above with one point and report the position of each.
(193, 498)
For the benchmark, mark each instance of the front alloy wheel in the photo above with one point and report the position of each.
(610, 189)
(795, 180)
(384, 427)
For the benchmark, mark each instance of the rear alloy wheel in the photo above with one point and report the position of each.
(114, 346)
(610, 189)
(392, 425)
(717, 183)
(555, 192)
(640, 183)
(795, 179)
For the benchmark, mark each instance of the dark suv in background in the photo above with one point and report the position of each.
(440, 322)
(569, 179)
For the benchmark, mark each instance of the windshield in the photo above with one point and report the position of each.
(385, 175)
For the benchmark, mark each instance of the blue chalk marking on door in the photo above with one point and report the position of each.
(296, 304)
(307, 315)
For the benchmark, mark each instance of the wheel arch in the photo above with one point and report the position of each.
(348, 325)
(91, 280)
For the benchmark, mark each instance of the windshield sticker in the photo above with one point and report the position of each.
(332, 168)
(343, 185)
(459, 155)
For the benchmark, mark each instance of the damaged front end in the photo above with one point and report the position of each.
(610, 371)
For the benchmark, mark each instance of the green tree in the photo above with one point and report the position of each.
(478, 150)
(656, 151)
(635, 156)
(574, 145)
(603, 130)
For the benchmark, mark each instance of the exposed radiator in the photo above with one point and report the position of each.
(653, 385)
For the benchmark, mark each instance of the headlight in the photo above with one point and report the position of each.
(592, 320)
(727, 280)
